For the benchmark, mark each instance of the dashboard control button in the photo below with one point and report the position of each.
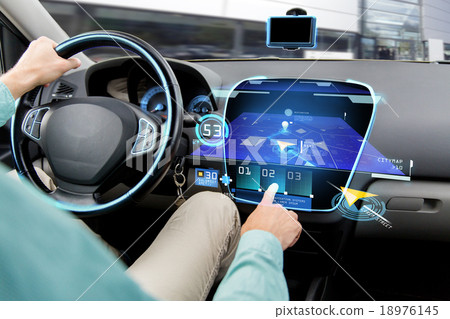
(138, 145)
(32, 126)
(28, 126)
(40, 115)
(144, 141)
(36, 130)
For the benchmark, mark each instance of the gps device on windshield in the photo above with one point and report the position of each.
(292, 32)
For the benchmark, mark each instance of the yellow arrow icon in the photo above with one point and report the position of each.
(352, 195)
(283, 145)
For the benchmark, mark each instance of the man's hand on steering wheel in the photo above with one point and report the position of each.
(90, 141)
(39, 65)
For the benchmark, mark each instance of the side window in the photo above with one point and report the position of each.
(12, 44)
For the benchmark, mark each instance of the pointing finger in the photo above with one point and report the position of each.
(269, 195)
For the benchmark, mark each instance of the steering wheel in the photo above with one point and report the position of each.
(95, 143)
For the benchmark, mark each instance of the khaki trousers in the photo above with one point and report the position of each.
(194, 249)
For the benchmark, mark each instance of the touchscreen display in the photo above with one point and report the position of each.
(305, 135)
(297, 140)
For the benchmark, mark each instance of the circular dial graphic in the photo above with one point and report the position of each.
(211, 130)
(201, 104)
(154, 101)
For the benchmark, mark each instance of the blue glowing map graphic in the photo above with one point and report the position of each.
(311, 141)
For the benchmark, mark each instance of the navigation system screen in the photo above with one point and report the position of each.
(303, 140)
(305, 135)
(286, 151)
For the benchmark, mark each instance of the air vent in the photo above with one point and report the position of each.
(63, 91)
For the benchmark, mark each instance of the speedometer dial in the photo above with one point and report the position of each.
(201, 104)
(154, 101)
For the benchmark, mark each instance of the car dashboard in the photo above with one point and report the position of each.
(409, 134)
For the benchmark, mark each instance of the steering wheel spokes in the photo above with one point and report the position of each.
(89, 140)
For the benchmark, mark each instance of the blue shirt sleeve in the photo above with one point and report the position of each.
(7, 104)
(46, 255)
(257, 270)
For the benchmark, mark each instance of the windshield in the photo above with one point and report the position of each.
(351, 29)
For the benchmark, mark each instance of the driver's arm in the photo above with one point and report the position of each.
(46, 255)
(39, 65)
(257, 270)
